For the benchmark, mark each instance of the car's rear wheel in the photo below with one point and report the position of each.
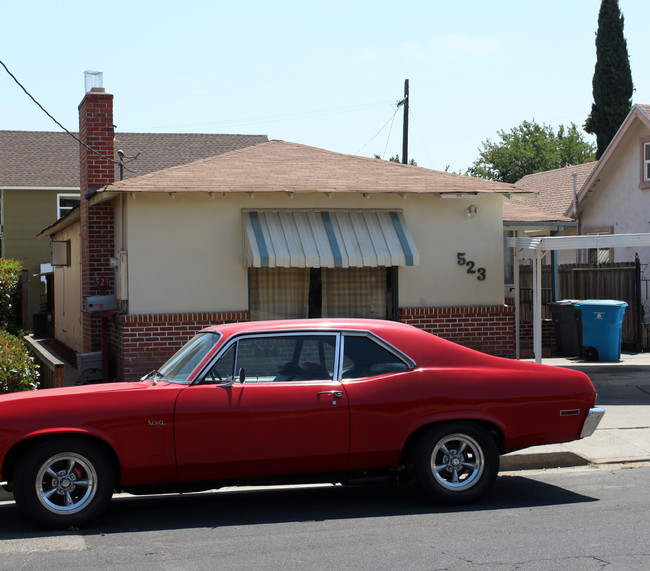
(456, 462)
(63, 482)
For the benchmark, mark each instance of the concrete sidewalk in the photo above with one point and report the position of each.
(622, 436)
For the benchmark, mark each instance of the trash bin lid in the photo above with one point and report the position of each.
(564, 302)
(601, 302)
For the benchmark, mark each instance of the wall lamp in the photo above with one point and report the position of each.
(471, 211)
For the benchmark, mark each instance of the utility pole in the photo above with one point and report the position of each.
(405, 133)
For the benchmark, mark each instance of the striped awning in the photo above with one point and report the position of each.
(327, 239)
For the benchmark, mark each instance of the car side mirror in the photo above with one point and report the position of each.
(242, 375)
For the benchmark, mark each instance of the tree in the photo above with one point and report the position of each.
(612, 82)
(531, 148)
(395, 159)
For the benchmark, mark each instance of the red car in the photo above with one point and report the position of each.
(288, 402)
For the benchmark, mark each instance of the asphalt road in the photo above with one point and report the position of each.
(582, 518)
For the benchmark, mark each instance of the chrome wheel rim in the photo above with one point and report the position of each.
(457, 462)
(66, 483)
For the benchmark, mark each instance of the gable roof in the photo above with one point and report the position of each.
(280, 166)
(555, 188)
(637, 113)
(43, 159)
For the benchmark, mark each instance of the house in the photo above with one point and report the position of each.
(273, 230)
(615, 198)
(604, 197)
(608, 197)
(39, 183)
(608, 202)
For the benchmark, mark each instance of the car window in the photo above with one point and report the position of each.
(181, 365)
(224, 369)
(364, 357)
(286, 358)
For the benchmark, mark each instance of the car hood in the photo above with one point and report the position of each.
(78, 391)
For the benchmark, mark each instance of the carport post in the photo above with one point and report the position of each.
(537, 305)
(515, 255)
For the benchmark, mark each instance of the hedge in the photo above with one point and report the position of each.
(10, 293)
(18, 371)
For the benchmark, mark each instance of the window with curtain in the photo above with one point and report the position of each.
(354, 292)
(295, 293)
(278, 293)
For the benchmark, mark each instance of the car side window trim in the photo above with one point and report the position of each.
(235, 340)
(391, 349)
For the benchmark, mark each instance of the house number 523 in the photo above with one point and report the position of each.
(462, 260)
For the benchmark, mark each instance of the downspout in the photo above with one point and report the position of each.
(555, 278)
(575, 211)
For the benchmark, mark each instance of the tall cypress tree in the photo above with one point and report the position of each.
(612, 82)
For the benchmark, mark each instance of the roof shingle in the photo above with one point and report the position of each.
(45, 159)
(279, 166)
(555, 187)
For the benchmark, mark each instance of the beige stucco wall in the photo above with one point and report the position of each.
(67, 292)
(185, 254)
(26, 213)
(617, 201)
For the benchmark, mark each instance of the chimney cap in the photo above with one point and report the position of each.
(94, 80)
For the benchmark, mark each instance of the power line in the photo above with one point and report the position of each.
(59, 124)
(380, 130)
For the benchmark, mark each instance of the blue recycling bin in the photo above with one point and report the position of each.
(602, 328)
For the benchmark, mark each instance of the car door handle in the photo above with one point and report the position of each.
(337, 394)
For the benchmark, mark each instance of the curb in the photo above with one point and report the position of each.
(541, 461)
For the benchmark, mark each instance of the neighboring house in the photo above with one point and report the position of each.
(271, 231)
(557, 189)
(615, 198)
(612, 196)
(39, 182)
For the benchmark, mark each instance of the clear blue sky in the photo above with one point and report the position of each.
(326, 74)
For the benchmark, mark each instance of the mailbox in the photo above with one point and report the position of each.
(94, 303)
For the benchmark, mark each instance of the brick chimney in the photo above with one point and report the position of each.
(97, 218)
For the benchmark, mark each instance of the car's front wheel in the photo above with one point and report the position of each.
(456, 462)
(63, 482)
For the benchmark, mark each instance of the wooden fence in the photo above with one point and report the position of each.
(584, 281)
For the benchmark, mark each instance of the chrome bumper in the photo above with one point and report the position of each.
(594, 416)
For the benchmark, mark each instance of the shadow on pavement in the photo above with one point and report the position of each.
(269, 506)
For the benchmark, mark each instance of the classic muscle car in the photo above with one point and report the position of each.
(288, 402)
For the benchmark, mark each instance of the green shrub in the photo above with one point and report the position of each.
(10, 292)
(18, 372)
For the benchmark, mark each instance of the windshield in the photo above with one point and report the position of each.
(182, 363)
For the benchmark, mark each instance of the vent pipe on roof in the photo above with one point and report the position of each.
(94, 80)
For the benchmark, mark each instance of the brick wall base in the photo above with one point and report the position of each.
(141, 343)
(490, 329)
(147, 341)
(526, 339)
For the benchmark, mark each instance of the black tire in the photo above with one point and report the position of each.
(63, 482)
(456, 462)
